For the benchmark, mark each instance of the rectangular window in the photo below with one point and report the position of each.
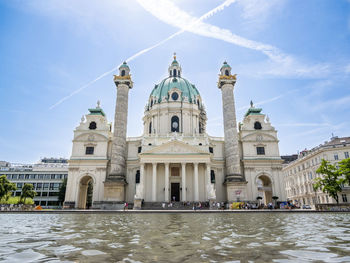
(137, 177)
(345, 198)
(51, 186)
(212, 176)
(260, 150)
(39, 186)
(89, 150)
(27, 176)
(41, 176)
(53, 193)
(52, 176)
(46, 186)
(346, 154)
(21, 176)
(19, 185)
(44, 194)
(336, 157)
(32, 176)
(139, 149)
(211, 150)
(14, 176)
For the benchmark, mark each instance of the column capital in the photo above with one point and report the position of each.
(183, 163)
(166, 163)
(154, 163)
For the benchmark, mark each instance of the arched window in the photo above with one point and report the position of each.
(257, 125)
(123, 73)
(92, 125)
(175, 124)
(150, 128)
(174, 72)
(227, 73)
(151, 103)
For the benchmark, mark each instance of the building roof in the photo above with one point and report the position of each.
(253, 111)
(97, 111)
(187, 89)
(124, 65)
(225, 65)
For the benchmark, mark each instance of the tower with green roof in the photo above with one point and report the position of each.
(234, 178)
(116, 178)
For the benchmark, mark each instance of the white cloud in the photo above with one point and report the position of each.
(333, 104)
(347, 69)
(257, 11)
(280, 63)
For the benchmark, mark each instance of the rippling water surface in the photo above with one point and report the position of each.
(250, 237)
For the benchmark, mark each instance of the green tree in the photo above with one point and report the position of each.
(62, 191)
(331, 183)
(27, 191)
(6, 187)
(344, 169)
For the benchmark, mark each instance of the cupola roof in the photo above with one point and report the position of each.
(175, 81)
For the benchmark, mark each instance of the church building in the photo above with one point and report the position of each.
(174, 159)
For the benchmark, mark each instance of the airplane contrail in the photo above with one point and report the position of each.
(205, 16)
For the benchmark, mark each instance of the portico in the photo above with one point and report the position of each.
(174, 170)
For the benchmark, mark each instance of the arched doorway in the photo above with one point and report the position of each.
(85, 192)
(265, 188)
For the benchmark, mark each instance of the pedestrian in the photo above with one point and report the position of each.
(126, 205)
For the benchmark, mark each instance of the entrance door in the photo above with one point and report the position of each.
(175, 191)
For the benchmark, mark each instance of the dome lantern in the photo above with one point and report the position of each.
(174, 68)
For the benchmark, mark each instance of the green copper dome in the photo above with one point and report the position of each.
(187, 89)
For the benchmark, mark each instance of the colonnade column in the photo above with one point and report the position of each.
(142, 180)
(208, 183)
(196, 192)
(183, 178)
(154, 182)
(166, 193)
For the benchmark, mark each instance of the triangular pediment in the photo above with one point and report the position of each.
(175, 147)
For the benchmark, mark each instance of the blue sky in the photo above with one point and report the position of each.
(292, 58)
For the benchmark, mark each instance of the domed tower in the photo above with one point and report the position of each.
(174, 106)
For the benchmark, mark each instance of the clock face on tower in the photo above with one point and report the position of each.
(174, 96)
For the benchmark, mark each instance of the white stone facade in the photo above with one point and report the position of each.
(174, 158)
(300, 174)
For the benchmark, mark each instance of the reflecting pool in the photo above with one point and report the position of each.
(246, 237)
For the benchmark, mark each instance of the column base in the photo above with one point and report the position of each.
(69, 205)
(108, 205)
(212, 204)
(236, 191)
(234, 178)
(137, 204)
(114, 191)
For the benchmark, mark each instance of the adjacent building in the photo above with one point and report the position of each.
(174, 159)
(300, 174)
(46, 176)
